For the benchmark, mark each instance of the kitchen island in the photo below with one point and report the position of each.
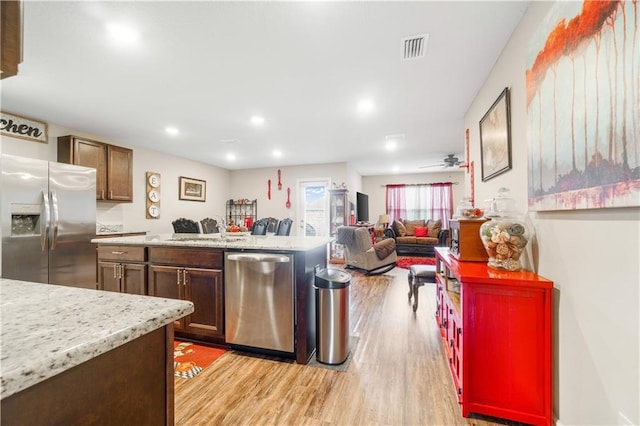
(81, 356)
(192, 267)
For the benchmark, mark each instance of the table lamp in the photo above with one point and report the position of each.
(384, 219)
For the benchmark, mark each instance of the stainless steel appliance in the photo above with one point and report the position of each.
(48, 218)
(259, 300)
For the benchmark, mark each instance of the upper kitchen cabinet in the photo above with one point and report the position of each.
(10, 37)
(114, 165)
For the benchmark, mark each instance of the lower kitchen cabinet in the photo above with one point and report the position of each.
(496, 331)
(122, 277)
(196, 276)
(122, 269)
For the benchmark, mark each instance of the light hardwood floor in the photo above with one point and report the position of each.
(398, 374)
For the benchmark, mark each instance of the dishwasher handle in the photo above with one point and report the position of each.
(259, 257)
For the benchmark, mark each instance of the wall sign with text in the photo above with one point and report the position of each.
(17, 126)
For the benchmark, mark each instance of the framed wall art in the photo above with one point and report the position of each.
(193, 189)
(495, 138)
(582, 103)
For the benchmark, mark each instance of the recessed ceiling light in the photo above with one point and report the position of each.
(365, 105)
(122, 33)
(395, 169)
(393, 141)
(257, 120)
(277, 153)
(171, 130)
(231, 156)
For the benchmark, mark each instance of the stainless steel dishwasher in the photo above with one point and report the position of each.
(259, 300)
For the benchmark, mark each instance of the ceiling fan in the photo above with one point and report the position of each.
(449, 161)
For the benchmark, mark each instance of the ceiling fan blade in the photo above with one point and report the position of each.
(431, 165)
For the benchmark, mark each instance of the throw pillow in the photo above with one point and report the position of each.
(420, 231)
(411, 226)
(384, 248)
(402, 231)
(435, 226)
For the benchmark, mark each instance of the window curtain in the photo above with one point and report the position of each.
(441, 205)
(396, 202)
(428, 201)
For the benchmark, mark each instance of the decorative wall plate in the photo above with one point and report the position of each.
(154, 211)
(154, 180)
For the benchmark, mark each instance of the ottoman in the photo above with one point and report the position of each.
(418, 275)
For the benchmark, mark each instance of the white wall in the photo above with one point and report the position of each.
(373, 186)
(591, 255)
(133, 215)
(252, 184)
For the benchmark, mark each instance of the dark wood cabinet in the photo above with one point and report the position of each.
(193, 275)
(113, 164)
(122, 269)
(10, 37)
(132, 384)
(496, 331)
(119, 173)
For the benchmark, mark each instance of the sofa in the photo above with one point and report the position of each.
(417, 237)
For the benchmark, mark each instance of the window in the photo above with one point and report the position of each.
(424, 201)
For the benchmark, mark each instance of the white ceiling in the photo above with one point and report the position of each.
(207, 67)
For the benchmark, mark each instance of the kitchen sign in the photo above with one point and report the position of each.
(22, 127)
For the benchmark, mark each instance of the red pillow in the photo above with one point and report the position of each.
(420, 231)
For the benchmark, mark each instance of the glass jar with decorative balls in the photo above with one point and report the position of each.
(506, 235)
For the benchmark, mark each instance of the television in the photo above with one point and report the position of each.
(362, 207)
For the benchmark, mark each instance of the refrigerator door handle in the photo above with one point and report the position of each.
(47, 219)
(54, 203)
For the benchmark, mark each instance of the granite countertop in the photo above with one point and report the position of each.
(47, 329)
(231, 241)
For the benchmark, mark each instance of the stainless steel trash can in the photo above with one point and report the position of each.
(332, 315)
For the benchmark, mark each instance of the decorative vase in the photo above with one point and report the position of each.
(506, 235)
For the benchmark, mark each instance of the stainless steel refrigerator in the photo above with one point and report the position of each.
(48, 218)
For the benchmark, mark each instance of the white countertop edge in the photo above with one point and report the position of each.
(251, 242)
(23, 366)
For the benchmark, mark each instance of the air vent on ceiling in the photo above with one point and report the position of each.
(414, 47)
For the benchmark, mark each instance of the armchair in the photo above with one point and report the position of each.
(361, 253)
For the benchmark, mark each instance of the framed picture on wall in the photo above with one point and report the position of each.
(495, 138)
(193, 189)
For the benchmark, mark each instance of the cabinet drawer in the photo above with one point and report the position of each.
(211, 259)
(121, 253)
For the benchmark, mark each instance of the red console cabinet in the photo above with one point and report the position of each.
(497, 336)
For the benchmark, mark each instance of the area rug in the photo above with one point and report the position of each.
(406, 261)
(190, 359)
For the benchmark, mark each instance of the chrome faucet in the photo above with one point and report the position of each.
(222, 226)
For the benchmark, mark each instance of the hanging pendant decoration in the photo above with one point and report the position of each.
(269, 189)
(279, 182)
(288, 203)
